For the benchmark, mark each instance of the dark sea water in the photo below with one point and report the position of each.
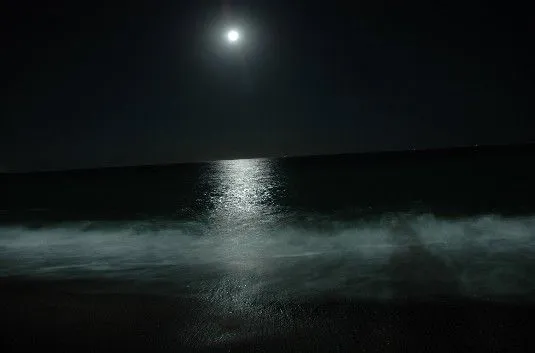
(373, 253)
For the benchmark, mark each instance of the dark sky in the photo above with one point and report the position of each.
(99, 83)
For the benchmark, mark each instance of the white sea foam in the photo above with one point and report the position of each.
(483, 256)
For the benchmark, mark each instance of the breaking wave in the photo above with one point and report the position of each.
(395, 256)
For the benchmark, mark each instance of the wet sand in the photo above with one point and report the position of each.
(64, 316)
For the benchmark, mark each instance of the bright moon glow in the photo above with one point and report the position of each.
(233, 36)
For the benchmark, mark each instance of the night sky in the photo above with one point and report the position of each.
(104, 83)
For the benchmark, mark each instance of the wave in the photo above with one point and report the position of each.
(395, 256)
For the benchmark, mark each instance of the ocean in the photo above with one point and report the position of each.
(423, 250)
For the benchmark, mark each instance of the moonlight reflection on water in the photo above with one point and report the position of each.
(243, 189)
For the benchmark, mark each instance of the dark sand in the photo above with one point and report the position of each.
(63, 317)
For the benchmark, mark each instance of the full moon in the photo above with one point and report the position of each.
(233, 36)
